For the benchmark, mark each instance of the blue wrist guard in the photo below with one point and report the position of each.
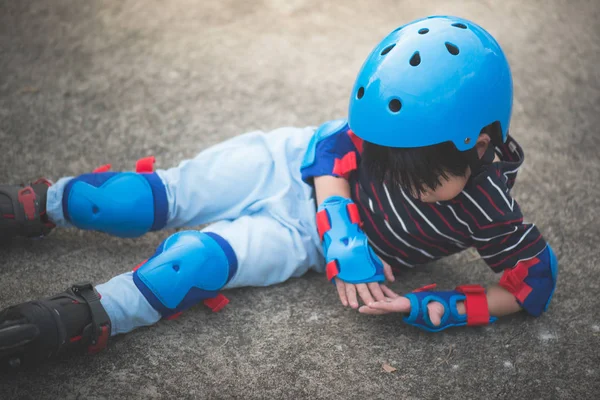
(473, 296)
(347, 250)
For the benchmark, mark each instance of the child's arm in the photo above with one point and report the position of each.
(327, 186)
(333, 154)
(510, 246)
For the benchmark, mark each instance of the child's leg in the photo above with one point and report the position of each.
(239, 176)
(189, 267)
(266, 252)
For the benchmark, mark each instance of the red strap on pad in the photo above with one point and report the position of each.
(345, 165)
(332, 270)
(216, 303)
(353, 213)
(145, 165)
(26, 197)
(101, 342)
(425, 288)
(102, 168)
(323, 224)
(513, 279)
(476, 304)
(174, 316)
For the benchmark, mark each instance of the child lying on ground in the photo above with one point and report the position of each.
(421, 169)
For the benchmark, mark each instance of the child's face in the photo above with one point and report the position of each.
(448, 189)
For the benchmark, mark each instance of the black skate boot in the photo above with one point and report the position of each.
(38, 330)
(23, 210)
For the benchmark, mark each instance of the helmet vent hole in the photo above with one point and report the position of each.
(415, 59)
(360, 93)
(452, 49)
(395, 105)
(459, 25)
(387, 49)
(423, 31)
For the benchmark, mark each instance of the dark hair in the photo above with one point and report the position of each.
(414, 169)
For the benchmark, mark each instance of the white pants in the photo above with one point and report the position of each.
(250, 187)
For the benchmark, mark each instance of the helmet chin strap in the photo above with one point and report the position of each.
(476, 163)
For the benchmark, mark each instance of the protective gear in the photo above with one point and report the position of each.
(433, 80)
(347, 251)
(533, 281)
(473, 296)
(324, 131)
(126, 204)
(188, 267)
(37, 330)
(23, 210)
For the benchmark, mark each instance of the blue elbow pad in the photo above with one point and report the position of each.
(323, 132)
(533, 281)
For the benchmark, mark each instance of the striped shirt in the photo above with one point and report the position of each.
(405, 231)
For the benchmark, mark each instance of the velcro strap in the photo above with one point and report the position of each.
(101, 341)
(100, 325)
(323, 224)
(332, 270)
(145, 165)
(353, 213)
(27, 197)
(216, 303)
(345, 165)
(476, 304)
(102, 168)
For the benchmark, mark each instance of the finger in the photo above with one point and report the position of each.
(387, 272)
(389, 292)
(351, 295)
(400, 304)
(375, 290)
(364, 293)
(341, 289)
(371, 311)
(435, 311)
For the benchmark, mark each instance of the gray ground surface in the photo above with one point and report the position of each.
(83, 83)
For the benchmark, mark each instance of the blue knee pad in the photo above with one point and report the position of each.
(126, 204)
(188, 267)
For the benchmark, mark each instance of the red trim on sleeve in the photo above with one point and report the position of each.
(513, 279)
(345, 165)
(490, 199)
(102, 168)
(358, 142)
(476, 304)
(323, 224)
(145, 165)
(332, 270)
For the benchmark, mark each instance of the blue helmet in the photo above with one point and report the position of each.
(434, 80)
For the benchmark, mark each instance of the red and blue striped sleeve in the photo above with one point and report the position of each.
(509, 245)
(334, 150)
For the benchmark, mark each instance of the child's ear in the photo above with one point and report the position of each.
(483, 141)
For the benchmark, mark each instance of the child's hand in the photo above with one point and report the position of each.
(393, 302)
(368, 292)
